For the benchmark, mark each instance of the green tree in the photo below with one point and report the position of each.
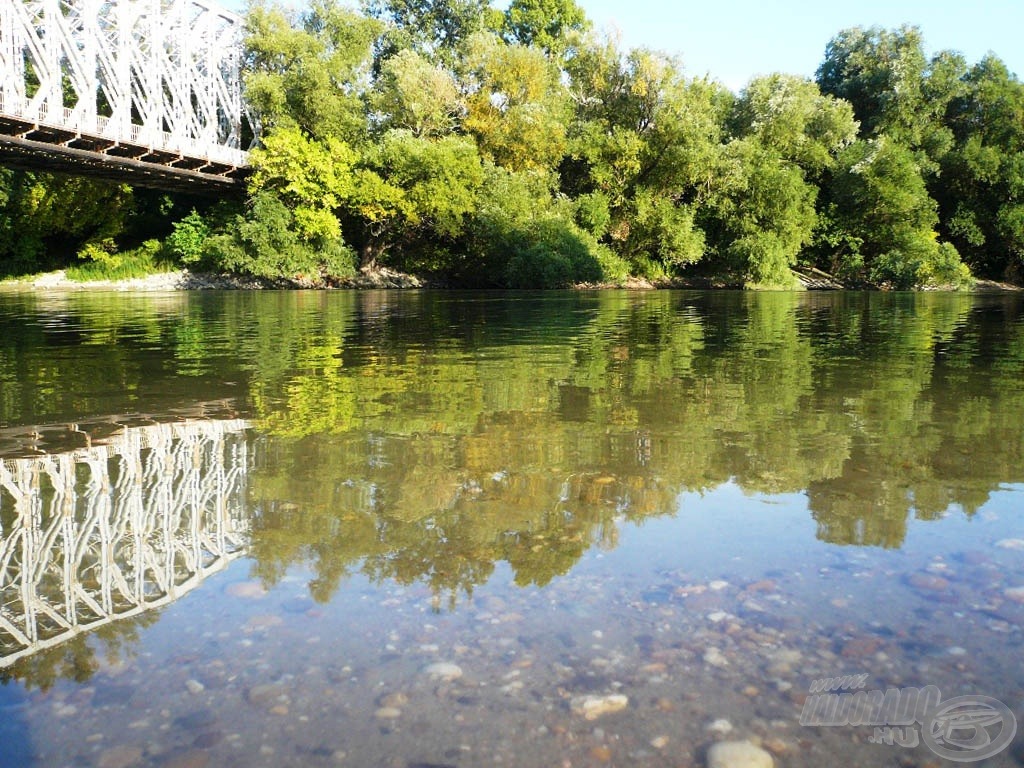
(311, 69)
(894, 89)
(435, 29)
(763, 213)
(554, 26)
(644, 147)
(408, 189)
(880, 198)
(981, 190)
(516, 109)
(795, 119)
(415, 95)
(46, 217)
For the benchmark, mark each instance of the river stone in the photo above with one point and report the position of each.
(208, 739)
(738, 754)
(927, 582)
(194, 758)
(713, 657)
(1010, 543)
(266, 694)
(395, 700)
(593, 707)
(721, 725)
(444, 670)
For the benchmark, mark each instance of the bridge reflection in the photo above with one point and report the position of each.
(100, 534)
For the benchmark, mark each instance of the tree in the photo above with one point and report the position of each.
(981, 194)
(893, 87)
(881, 200)
(762, 214)
(415, 95)
(554, 26)
(794, 118)
(311, 177)
(407, 187)
(644, 147)
(309, 70)
(435, 29)
(881, 73)
(517, 109)
(44, 217)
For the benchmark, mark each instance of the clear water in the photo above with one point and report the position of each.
(419, 529)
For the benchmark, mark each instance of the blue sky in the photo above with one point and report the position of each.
(734, 40)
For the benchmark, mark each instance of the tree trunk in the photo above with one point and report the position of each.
(369, 253)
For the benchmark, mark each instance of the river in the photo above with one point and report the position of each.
(422, 529)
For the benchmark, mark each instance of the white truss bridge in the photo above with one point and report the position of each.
(140, 91)
(104, 533)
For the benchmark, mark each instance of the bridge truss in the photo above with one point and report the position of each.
(142, 91)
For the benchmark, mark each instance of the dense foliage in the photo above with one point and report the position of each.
(521, 148)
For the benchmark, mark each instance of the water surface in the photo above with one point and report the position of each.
(419, 529)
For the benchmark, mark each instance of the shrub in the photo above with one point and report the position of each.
(187, 242)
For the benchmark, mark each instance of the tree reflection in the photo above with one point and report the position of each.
(429, 437)
(427, 442)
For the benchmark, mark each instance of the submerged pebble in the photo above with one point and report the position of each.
(738, 754)
(721, 725)
(593, 707)
(249, 590)
(927, 582)
(445, 670)
(119, 757)
(1015, 593)
(1010, 543)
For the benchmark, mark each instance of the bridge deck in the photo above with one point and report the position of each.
(40, 147)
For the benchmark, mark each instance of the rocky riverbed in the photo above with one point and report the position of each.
(670, 667)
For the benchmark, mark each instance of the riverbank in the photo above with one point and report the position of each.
(185, 280)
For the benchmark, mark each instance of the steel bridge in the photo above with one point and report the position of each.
(106, 532)
(146, 92)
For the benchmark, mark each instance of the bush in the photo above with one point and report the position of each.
(555, 253)
(188, 240)
(264, 243)
(946, 269)
(145, 260)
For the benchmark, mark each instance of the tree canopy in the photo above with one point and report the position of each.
(387, 129)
